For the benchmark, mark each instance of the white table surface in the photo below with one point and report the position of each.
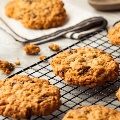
(11, 50)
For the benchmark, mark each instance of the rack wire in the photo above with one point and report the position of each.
(73, 96)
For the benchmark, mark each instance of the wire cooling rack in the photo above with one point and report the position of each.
(72, 96)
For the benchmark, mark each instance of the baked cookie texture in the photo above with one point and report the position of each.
(118, 94)
(93, 112)
(22, 96)
(114, 34)
(6, 67)
(85, 66)
(31, 49)
(37, 14)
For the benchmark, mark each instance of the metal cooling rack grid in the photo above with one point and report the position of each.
(72, 96)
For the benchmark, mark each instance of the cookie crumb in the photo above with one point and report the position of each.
(31, 49)
(6, 67)
(17, 62)
(54, 47)
(42, 57)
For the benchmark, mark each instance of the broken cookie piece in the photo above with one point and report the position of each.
(42, 57)
(6, 67)
(31, 49)
(17, 62)
(54, 47)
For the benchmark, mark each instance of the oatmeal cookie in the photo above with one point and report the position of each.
(31, 49)
(85, 66)
(118, 94)
(114, 34)
(22, 96)
(54, 47)
(37, 14)
(93, 112)
(6, 67)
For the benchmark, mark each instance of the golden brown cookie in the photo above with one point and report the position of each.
(118, 94)
(37, 14)
(85, 66)
(31, 49)
(93, 112)
(6, 67)
(114, 34)
(22, 96)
